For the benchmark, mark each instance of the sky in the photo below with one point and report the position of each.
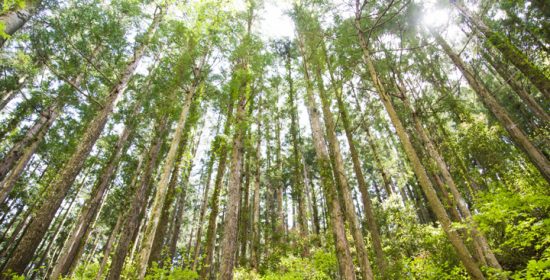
(274, 23)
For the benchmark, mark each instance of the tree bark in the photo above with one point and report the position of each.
(108, 247)
(61, 185)
(178, 216)
(244, 212)
(255, 242)
(312, 196)
(7, 98)
(367, 204)
(202, 213)
(229, 241)
(457, 200)
(299, 186)
(158, 241)
(345, 262)
(376, 155)
(162, 188)
(362, 184)
(517, 135)
(132, 217)
(78, 236)
(14, 163)
(341, 180)
(214, 200)
(61, 224)
(278, 192)
(14, 20)
(17, 158)
(509, 51)
(471, 267)
(527, 99)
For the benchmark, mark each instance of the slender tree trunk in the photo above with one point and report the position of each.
(365, 124)
(509, 51)
(527, 99)
(171, 246)
(341, 181)
(44, 249)
(178, 219)
(367, 204)
(471, 267)
(214, 208)
(310, 187)
(347, 270)
(214, 201)
(299, 186)
(19, 156)
(278, 191)
(108, 247)
(202, 213)
(61, 185)
(187, 256)
(158, 242)
(132, 218)
(245, 213)
(61, 225)
(20, 115)
(14, 20)
(14, 238)
(162, 188)
(7, 226)
(233, 189)
(78, 236)
(7, 243)
(517, 135)
(457, 200)
(7, 98)
(376, 156)
(255, 242)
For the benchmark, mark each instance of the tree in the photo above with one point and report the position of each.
(166, 140)
(63, 181)
(14, 16)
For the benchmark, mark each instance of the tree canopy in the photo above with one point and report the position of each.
(259, 139)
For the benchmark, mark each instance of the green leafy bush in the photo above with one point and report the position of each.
(320, 265)
(155, 272)
(518, 226)
(291, 268)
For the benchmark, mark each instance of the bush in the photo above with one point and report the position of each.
(320, 266)
(293, 268)
(156, 272)
(518, 226)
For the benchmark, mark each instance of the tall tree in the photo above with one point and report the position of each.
(162, 188)
(16, 17)
(345, 261)
(241, 91)
(141, 191)
(59, 187)
(427, 187)
(517, 135)
(508, 50)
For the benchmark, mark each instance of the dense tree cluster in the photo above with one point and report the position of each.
(168, 139)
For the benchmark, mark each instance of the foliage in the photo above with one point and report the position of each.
(319, 266)
(86, 271)
(519, 226)
(72, 56)
(156, 272)
(420, 250)
(536, 269)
